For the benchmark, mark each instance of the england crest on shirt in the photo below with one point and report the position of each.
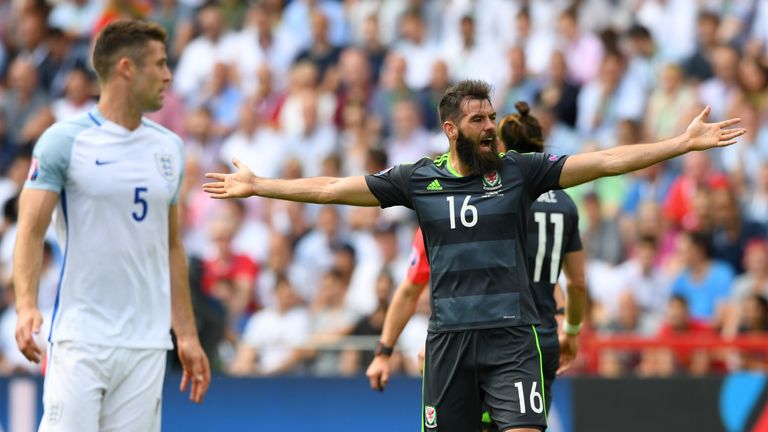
(165, 166)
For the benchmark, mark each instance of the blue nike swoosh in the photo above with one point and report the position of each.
(99, 162)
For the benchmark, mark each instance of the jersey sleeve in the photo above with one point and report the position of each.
(418, 265)
(574, 239)
(541, 172)
(50, 159)
(182, 166)
(391, 186)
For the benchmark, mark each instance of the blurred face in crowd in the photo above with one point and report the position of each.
(248, 119)
(22, 76)
(756, 257)
(677, 314)
(412, 29)
(222, 233)
(405, 119)
(394, 71)
(467, 29)
(611, 71)
(724, 63)
(258, 19)
(152, 78)
(211, 22)
(371, 30)
(279, 252)
(523, 24)
(706, 29)
(344, 260)
(628, 313)
(558, 68)
(752, 76)
(439, 78)
(690, 253)
(319, 26)
(77, 89)
(285, 295)
(646, 255)
(648, 217)
(354, 67)
(517, 64)
(332, 289)
(328, 220)
(387, 242)
(671, 79)
(755, 313)
(592, 209)
(696, 166)
(384, 287)
(568, 27)
(31, 31)
(725, 208)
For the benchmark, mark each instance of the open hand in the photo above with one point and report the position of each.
(705, 136)
(236, 185)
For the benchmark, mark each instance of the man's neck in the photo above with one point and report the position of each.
(456, 164)
(118, 108)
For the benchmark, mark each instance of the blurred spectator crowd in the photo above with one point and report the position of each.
(336, 88)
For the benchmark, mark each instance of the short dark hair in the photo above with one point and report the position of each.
(124, 38)
(521, 132)
(449, 107)
(701, 240)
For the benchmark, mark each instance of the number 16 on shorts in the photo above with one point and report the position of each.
(535, 400)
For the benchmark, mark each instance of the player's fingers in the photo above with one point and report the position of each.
(704, 113)
(565, 364)
(214, 188)
(728, 134)
(726, 143)
(373, 380)
(384, 379)
(32, 352)
(184, 381)
(215, 176)
(238, 164)
(37, 321)
(729, 122)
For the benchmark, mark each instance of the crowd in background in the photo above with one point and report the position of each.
(337, 88)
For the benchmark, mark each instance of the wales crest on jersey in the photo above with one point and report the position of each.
(492, 181)
(430, 417)
(165, 166)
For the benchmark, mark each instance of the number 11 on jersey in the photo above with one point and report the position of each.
(557, 220)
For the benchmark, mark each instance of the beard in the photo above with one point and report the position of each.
(481, 162)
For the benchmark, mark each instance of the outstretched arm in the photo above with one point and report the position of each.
(700, 135)
(319, 190)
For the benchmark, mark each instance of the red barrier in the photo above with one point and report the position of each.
(592, 345)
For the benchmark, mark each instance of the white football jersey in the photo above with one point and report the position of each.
(116, 187)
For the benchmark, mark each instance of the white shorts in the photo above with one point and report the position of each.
(90, 388)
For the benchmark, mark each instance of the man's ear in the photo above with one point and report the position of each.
(450, 129)
(125, 67)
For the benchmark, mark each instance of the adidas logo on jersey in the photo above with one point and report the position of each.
(434, 186)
